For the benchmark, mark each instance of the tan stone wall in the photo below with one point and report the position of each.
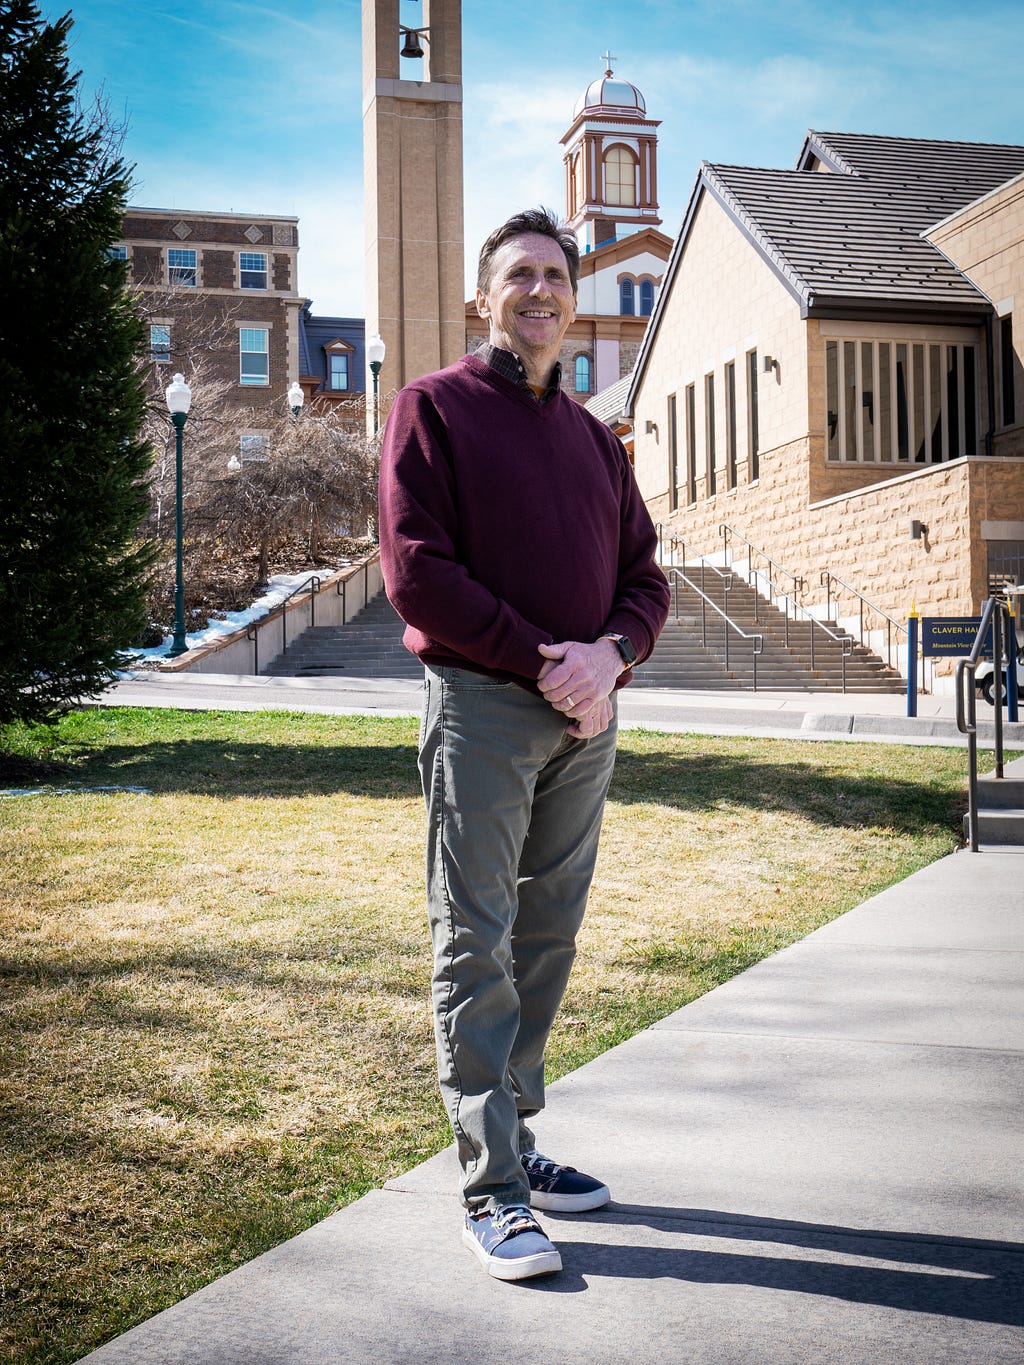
(725, 301)
(986, 241)
(864, 536)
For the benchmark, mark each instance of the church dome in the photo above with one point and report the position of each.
(607, 92)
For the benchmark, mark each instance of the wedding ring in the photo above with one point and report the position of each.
(569, 699)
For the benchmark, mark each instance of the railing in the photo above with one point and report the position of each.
(789, 597)
(893, 628)
(342, 590)
(995, 616)
(677, 576)
(253, 630)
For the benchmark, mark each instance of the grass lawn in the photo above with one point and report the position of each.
(214, 1022)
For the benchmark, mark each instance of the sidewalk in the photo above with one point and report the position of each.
(875, 717)
(819, 1161)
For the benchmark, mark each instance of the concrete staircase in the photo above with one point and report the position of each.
(1000, 807)
(370, 646)
(784, 664)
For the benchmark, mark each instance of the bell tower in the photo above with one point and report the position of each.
(611, 162)
(412, 177)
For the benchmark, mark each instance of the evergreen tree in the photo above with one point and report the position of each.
(72, 465)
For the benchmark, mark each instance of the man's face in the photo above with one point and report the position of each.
(528, 302)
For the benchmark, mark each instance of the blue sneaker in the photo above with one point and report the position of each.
(511, 1243)
(562, 1189)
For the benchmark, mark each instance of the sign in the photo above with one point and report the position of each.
(946, 636)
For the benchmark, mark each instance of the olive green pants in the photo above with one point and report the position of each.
(514, 811)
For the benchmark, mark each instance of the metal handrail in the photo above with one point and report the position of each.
(676, 576)
(254, 627)
(677, 546)
(891, 624)
(725, 531)
(790, 598)
(993, 615)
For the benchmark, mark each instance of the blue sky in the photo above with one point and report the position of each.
(257, 108)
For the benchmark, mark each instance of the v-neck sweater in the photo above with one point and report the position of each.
(506, 523)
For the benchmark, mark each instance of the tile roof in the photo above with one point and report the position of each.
(610, 402)
(839, 241)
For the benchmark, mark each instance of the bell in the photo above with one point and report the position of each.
(413, 47)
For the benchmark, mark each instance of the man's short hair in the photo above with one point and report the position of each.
(540, 220)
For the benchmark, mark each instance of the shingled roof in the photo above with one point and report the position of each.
(844, 231)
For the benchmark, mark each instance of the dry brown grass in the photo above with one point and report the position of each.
(214, 1022)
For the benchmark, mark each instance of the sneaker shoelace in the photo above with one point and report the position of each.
(543, 1165)
(514, 1218)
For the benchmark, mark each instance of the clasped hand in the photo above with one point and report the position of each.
(578, 680)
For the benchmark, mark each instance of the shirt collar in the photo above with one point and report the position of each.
(509, 366)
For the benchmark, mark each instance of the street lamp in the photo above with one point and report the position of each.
(375, 351)
(296, 397)
(179, 400)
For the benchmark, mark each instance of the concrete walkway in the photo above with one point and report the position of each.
(819, 1161)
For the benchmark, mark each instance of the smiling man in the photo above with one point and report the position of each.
(519, 553)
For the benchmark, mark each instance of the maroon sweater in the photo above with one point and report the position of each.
(506, 524)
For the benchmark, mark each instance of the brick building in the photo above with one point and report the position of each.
(833, 358)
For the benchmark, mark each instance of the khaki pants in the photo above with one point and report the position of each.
(514, 812)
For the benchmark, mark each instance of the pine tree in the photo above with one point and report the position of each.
(72, 465)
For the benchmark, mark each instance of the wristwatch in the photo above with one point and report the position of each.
(623, 645)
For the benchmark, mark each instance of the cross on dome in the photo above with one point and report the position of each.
(608, 58)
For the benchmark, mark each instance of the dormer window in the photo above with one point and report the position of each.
(339, 366)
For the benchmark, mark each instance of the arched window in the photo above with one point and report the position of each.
(620, 177)
(627, 297)
(583, 374)
(646, 298)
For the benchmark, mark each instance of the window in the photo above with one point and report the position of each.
(118, 253)
(252, 270)
(254, 348)
(337, 370)
(620, 177)
(753, 453)
(673, 456)
(583, 374)
(181, 265)
(1006, 369)
(160, 342)
(577, 182)
(691, 443)
(730, 423)
(709, 430)
(253, 447)
(646, 298)
(900, 401)
(1005, 564)
(627, 298)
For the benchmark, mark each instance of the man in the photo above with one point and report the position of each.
(516, 548)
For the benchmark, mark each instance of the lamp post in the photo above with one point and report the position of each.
(375, 351)
(296, 397)
(179, 400)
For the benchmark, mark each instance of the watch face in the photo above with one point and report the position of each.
(626, 649)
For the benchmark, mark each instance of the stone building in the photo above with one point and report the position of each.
(832, 371)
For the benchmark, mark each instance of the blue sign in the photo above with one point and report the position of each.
(948, 636)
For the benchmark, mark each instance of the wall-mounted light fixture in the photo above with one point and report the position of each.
(918, 530)
(769, 364)
(651, 426)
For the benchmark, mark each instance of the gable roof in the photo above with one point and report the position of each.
(843, 232)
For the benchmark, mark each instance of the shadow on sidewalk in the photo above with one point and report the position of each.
(978, 1281)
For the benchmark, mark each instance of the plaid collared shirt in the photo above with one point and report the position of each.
(510, 367)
